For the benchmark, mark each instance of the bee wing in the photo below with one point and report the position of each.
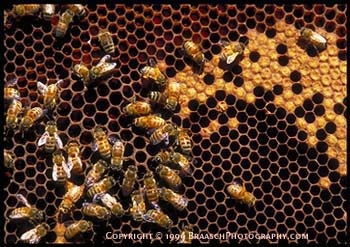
(112, 139)
(66, 169)
(110, 66)
(30, 236)
(148, 218)
(223, 42)
(43, 139)
(58, 141)
(152, 62)
(94, 146)
(318, 38)
(106, 58)
(96, 198)
(23, 200)
(54, 172)
(232, 58)
(42, 88)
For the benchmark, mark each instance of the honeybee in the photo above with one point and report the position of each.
(162, 157)
(129, 180)
(239, 192)
(314, 39)
(162, 134)
(28, 212)
(50, 138)
(170, 176)
(157, 97)
(151, 189)
(159, 218)
(177, 200)
(193, 51)
(65, 19)
(101, 143)
(149, 122)
(96, 172)
(77, 227)
(60, 170)
(112, 203)
(182, 161)
(9, 159)
(152, 72)
(106, 40)
(12, 114)
(231, 51)
(186, 235)
(101, 187)
(117, 155)
(138, 207)
(137, 108)
(102, 69)
(95, 210)
(78, 10)
(173, 88)
(82, 72)
(30, 117)
(48, 11)
(34, 235)
(75, 164)
(11, 93)
(184, 141)
(74, 192)
(26, 9)
(50, 93)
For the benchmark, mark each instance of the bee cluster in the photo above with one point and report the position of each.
(178, 144)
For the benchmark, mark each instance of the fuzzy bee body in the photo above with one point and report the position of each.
(138, 207)
(193, 51)
(117, 155)
(95, 210)
(137, 108)
(28, 212)
(231, 52)
(184, 141)
(149, 122)
(60, 170)
(106, 41)
(173, 89)
(111, 202)
(12, 114)
(96, 173)
(162, 134)
(50, 138)
(65, 19)
(151, 189)
(50, 94)
(153, 73)
(26, 9)
(178, 201)
(77, 227)
(159, 218)
(48, 11)
(102, 144)
(34, 235)
(129, 180)
(30, 117)
(314, 39)
(170, 177)
(73, 194)
(75, 164)
(104, 68)
(239, 192)
(157, 97)
(101, 187)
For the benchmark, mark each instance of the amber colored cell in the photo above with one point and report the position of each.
(324, 183)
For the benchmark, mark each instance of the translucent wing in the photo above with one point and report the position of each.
(223, 43)
(42, 88)
(54, 172)
(152, 62)
(43, 139)
(106, 58)
(232, 58)
(66, 169)
(23, 200)
(58, 141)
(31, 236)
(110, 66)
(318, 38)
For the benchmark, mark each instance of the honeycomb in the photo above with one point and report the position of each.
(276, 120)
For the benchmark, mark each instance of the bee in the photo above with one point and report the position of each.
(152, 72)
(59, 230)
(65, 19)
(239, 192)
(314, 39)
(48, 11)
(96, 173)
(106, 40)
(60, 170)
(137, 108)
(101, 187)
(28, 212)
(12, 114)
(182, 161)
(34, 235)
(73, 194)
(95, 210)
(162, 134)
(117, 155)
(173, 89)
(149, 122)
(101, 143)
(157, 97)
(102, 69)
(11, 93)
(112, 203)
(50, 94)
(170, 176)
(82, 72)
(162, 157)
(75, 164)
(138, 208)
(9, 159)
(78, 10)
(193, 51)
(186, 235)
(231, 51)
(50, 138)
(151, 189)
(129, 180)
(184, 141)
(177, 200)
(158, 217)
(77, 227)
(30, 117)
(26, 9)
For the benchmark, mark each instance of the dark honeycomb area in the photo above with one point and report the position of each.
(267, 151)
